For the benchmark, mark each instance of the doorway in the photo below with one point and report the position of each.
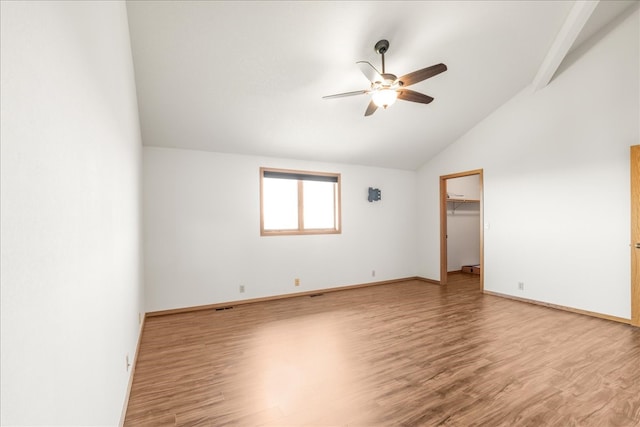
(635, 235)
(452, 199)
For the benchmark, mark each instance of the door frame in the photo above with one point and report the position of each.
(443, 223)
(635, 234)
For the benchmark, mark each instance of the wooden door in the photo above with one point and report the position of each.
(635, 235)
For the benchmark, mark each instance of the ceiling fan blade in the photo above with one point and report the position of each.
(371, 108)
(370, 71)
(342, 95)
(413, 96)
(420, 75)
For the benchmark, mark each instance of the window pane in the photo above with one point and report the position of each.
(319, 204)
(280, 204)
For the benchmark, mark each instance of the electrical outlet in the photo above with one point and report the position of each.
(241, 289)
(521, 286)
(373, 273)
(128, 365)
(296, 282)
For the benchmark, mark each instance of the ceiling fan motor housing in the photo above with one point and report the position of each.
(388, 78)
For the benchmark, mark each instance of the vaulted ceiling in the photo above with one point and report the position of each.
(248, 77)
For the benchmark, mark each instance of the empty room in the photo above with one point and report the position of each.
(320, 213)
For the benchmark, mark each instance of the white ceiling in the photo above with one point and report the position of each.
(248, 77)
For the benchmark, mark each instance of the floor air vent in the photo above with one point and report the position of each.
(224, 308)
(315, 295)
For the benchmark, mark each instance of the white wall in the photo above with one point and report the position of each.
(202, 230)
(70, 222)
(463, 223)
(556, 181)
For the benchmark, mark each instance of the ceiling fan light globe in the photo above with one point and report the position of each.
(384, 97)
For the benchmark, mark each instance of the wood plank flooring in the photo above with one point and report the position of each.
(404, 354)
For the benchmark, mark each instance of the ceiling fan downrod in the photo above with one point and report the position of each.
(381, 47)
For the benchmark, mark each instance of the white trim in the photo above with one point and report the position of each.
(133, 369)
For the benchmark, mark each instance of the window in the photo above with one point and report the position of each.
(299, 202)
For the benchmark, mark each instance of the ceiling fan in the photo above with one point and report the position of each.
(386, 88)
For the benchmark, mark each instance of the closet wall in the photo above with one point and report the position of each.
(463, 222)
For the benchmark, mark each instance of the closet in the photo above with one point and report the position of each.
(463, 224)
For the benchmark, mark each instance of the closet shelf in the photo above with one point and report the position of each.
(455, 203)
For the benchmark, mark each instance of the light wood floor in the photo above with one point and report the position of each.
(405, 354)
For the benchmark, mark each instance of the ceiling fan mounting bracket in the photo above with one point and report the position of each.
(382, 47)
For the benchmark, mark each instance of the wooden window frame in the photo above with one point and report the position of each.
(301, 230)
